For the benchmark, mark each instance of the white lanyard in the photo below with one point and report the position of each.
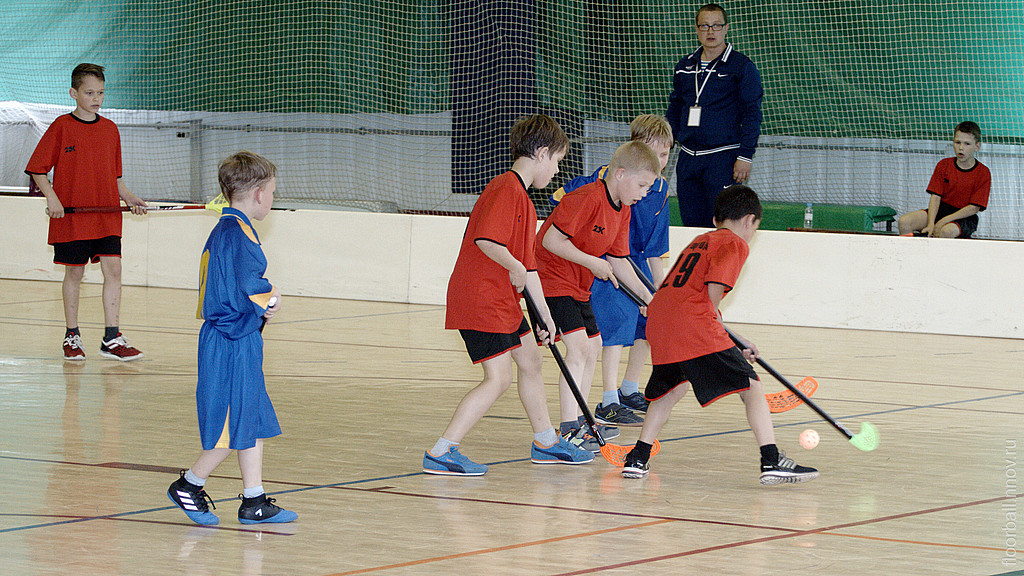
(710, 71)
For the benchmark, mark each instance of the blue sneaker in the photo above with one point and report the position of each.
(193, 501)
(561, 452)
(607, 432)
(635, 401)
(453, 463)
(262, 510)
(617, 414)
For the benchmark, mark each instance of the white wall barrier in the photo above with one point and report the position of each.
(967, 287)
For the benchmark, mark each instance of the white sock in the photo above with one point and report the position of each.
(253, 492)
(546, 438)
(193, 479)
(442, 446)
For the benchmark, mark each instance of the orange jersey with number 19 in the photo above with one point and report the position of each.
(682, 322)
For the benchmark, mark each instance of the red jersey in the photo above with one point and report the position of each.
(682, 322)
(595, 225)
(958, 187)
(86, 162)
(480, 295)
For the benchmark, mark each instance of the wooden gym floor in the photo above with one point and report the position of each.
(87, 451)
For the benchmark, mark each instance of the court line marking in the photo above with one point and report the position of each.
(499, 548)
(919, 542)
(822, 530)
(348, 484)
(143, 521)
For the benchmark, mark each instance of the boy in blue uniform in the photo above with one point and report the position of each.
(235, 412)
(618, 318)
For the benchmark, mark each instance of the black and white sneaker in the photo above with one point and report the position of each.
(634, 466)
(786, 471)
(261, 510)
(193, 501)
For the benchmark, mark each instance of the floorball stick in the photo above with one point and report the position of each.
(780, 401)
(614, 454)
(217, 205)
(866, 439)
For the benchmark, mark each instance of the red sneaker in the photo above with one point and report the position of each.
(118, 349)
(73, 350)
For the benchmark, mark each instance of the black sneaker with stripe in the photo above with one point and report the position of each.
(260, 509)
(786, 471)
(635, 466)
(193, 501)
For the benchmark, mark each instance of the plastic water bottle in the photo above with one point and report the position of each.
(809, 216)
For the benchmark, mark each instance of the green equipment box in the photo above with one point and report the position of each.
(785, 215)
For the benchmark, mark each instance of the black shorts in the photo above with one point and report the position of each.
(81, 252)
(711, 376)
(968, 226)
(571, 315)
(486, 345)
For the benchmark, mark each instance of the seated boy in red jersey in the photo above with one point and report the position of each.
(586, 237)
(495, 263)
(84, 151)
(689, 345)
(959, 189)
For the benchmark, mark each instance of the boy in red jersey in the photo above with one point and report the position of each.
(496, 262)
(586, 237)
(959, 189)
(84, 151)
(689, 344)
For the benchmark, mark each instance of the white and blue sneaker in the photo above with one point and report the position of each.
(193, 501)
(561, 452)
(261, 510)
(452, 463)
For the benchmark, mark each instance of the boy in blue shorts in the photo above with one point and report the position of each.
(235, 412)
(496, 263)
(587, 237)
(618, 318)
(690, 347)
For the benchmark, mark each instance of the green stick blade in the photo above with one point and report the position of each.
(867, 439)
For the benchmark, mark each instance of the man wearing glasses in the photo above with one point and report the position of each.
(715, 113)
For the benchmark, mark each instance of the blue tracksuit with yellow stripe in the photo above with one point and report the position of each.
(231, 394)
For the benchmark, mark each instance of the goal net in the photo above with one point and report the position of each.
(406, 105)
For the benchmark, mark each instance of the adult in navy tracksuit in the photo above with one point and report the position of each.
(715, 113)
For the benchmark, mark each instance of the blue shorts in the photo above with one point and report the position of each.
(231, 395)
(618, 317)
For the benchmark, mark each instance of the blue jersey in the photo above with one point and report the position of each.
(231, 396)
(617, 316)
(730, 102)
(233, 294)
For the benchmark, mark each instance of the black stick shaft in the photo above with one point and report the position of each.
(640, 274)
(532, 307)
(632, 295)
(785, 382)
